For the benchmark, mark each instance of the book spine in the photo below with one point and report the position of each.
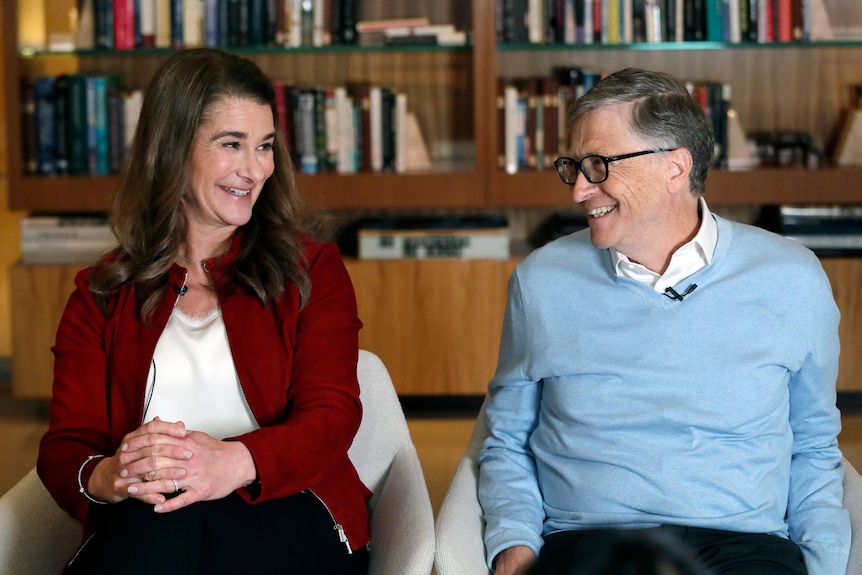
(375, 128)
(211, 23)
(147, 19)
(177, 14)
(305, 136)
(61, 117)
(77, 130)
(163, 24)
(116, 125)
(124, 24)
(103, 24)
(46, 125)
(255, 22)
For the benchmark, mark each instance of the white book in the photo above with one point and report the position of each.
(375, 137)
(510, 95)
(319, 30)
(294, 29)
(132, 102)
(735, 33)
(344, 131)
(193, 23)
(147, 19)
(536, 21)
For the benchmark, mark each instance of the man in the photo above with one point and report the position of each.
(667, 369)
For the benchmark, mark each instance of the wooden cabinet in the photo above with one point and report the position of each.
(436, 324)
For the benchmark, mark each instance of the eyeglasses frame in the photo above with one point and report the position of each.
(606, 160)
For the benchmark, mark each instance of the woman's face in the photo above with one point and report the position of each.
(231, 160)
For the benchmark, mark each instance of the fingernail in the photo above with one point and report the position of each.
(187, 454)
(133, 489)
(124, 447)
(181, 473)
(124, 473)
(157, 508)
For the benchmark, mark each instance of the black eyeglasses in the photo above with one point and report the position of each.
(594, 168)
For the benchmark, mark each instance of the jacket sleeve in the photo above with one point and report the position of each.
(817, 521)
(307, 445)
(508, 483)
(78, 427)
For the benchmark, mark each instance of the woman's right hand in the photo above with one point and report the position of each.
(152, 452)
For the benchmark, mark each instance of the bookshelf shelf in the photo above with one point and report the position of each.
(678, 46)
(743, 187)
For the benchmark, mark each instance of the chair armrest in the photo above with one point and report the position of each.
(853, 503)
(402, 521)
(460, 525)
(36, 536)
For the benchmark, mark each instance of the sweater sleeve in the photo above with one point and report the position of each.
(817, 521)
(508, 483)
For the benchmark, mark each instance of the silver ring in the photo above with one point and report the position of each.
(176, 487)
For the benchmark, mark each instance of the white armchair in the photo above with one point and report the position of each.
(460, 526)
(36, 536)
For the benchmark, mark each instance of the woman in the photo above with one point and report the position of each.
(205, 391)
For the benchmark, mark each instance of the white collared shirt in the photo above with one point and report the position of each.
(688, 259)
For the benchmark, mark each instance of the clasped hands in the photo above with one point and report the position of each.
(162, 457)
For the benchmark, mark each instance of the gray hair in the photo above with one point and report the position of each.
(665, 113)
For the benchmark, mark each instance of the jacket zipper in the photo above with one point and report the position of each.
(342, 537)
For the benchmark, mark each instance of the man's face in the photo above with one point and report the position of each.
(630, 210)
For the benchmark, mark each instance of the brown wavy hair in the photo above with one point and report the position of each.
(148, 216)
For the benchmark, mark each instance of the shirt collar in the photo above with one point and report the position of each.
(685, 261)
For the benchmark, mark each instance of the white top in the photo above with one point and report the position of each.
(688, 259)
(193, 378)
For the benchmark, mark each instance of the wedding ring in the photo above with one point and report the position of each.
(176, 487)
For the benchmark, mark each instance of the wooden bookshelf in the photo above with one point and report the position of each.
(803, 87)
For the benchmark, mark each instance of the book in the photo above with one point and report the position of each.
(57, 239)
(124, 24)
(46, 125)
(459, 237)
(848, 149)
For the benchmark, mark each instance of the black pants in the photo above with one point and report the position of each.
(692, 550)
(291, 535)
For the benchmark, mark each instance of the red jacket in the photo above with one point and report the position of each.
(297, 369)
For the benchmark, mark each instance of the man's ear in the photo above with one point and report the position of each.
(679, 168)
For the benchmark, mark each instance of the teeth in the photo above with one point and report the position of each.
(599, 212)
(238, 192)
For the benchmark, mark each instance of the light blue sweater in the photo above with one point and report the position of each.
(613, 405)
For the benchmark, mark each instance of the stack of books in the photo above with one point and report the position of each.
(65, 239)
(449, 237)
(827, 230)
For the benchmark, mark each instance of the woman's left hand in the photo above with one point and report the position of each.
(215, 469)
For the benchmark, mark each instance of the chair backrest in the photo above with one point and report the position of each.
(383, 431)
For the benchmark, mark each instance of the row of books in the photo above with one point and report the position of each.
(532, 116)
(65, 238)
(136, 24)
(629, 21)
(83, 125)
(77, 124)
(348, 129)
